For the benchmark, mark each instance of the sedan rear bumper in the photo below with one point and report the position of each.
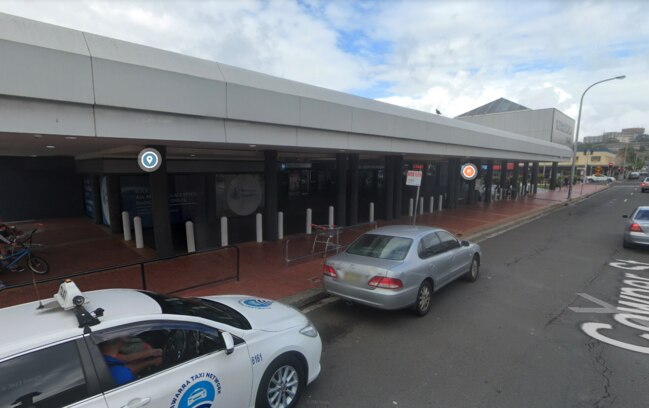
(638, 238)
(386, 299)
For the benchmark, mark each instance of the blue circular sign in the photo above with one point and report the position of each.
(256, 303)
(149, 159)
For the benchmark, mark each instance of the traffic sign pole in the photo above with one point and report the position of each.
(414, 215)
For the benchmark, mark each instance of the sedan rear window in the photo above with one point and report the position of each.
(642, 215)
(381, 246)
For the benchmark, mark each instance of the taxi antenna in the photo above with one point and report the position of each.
(38, 296)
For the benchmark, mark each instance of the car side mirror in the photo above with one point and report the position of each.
(465, 243)
(229, 343)
(625, 216)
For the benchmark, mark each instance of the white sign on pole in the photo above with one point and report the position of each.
(413, 178)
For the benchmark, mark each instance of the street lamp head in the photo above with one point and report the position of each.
(620, 77)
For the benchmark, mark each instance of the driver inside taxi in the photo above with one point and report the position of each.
(128, 356)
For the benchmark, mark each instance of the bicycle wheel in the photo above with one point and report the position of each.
(38, 265)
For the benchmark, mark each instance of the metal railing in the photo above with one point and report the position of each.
(158, 265)
(344, 236)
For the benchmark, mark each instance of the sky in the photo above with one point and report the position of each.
(451, 56)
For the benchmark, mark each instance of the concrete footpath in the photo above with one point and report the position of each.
(76, 245)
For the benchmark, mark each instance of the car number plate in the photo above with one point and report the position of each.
(353, 277)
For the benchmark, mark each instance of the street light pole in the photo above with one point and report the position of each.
(574, 144)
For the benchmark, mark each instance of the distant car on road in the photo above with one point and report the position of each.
(644, 185)
(596, 179)
(400, 266)
(634, 175)
(636, 227)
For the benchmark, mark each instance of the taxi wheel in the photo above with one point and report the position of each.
(423, 302)
(282, 383)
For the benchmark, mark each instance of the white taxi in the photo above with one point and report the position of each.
(127, 348)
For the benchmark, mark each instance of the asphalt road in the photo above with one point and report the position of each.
(511, 338)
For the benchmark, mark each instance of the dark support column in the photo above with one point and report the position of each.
(535, 176)
(442, 186)
(515, 184)
(159, 187)
(270, 195)
(389, 188)
(114, 203)
(427, 184)
(352, 214)
(398, 186)
(553, 175)
(503, 174)
(526, 168)
(471, 199)
(453, 182)
(208, 226)
(96, 199)
(437, 188)
(488, 181)
(341, 194)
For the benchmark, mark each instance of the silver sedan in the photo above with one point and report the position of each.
(636, 228)
(400, 266)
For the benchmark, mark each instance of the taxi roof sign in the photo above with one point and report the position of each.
(69, 295)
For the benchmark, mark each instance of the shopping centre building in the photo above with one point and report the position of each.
(76, 110)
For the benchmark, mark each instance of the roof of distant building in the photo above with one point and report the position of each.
(500, 105)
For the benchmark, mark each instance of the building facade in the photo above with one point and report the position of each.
(77, 109)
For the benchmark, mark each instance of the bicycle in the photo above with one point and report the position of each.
(23, 250)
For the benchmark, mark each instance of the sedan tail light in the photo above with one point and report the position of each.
(635, 228)
(385, 283)
(329, 271)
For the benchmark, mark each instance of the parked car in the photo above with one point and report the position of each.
(636, 227)
(634, 175)
(141, 348)
(644, 185)
(400, 266)
(595, 179)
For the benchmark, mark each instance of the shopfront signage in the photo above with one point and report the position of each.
(413, 178)
(469, 171)
(149, 159)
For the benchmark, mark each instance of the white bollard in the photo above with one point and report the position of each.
(421, 205)
(260, 232)
(308, 220)
(224, 231)
(439, 203)
(432, 204)
(126, 226)
(371, 212)
(139, 238)
(189, 232)
(410, 205)
(331, 216)
(280, 225)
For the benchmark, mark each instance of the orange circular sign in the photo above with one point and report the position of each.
(469, 171)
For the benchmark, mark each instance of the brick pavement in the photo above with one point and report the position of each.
(77, 244)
